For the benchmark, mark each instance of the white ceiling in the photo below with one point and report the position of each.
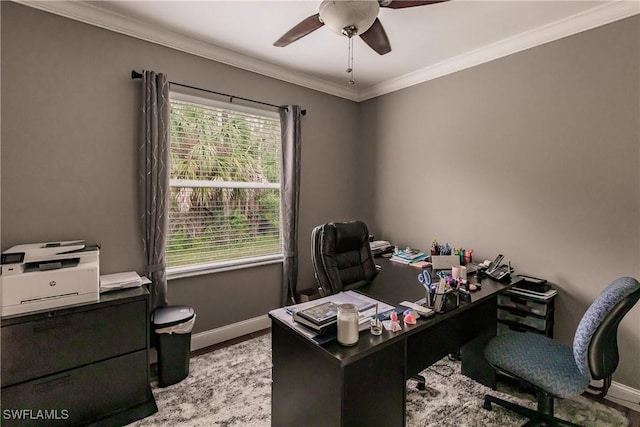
(427, 41)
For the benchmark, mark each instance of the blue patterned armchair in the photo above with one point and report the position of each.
(556, 370)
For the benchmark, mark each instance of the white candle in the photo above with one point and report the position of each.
(348, 332)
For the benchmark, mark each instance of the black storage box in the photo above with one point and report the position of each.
(172, 326)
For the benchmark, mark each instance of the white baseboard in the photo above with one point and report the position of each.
(624, 395)
(224, 333)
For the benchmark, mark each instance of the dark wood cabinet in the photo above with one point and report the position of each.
(78, 365)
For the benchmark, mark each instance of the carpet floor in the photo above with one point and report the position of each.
(232, 387)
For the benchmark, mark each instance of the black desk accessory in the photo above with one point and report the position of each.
(533, 284)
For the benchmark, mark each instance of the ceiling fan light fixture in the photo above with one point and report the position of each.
(349, 18)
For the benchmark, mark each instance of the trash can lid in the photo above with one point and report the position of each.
(163, 317)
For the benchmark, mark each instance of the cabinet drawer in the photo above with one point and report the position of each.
(64, 341)
(521, 318)
(78, 396)
(504, 327)
(528, 306)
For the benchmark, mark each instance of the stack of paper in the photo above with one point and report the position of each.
(129, 279)
(408, 257)
(536, 295)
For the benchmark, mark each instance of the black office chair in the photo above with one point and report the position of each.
(557, 370)
(341, 256)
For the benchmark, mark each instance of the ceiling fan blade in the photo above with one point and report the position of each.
(306, 26)
(377, 38)
(401, 4)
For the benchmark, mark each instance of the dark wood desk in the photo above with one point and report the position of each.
(364, 385)
(83, 364)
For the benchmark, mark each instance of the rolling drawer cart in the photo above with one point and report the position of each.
(525, 313)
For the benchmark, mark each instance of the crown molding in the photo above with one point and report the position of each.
(592, 18)
(86, 12)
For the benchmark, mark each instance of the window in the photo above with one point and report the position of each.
(225, 168)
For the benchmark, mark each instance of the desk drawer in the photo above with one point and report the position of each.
(528, 306)
(63, 341)
(521, 318)
(78, 396)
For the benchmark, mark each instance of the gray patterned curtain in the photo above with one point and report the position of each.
(290, 127)
(154, 180)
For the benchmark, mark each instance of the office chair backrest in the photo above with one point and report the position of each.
(342, 249)
(595, 345)
(316, 259)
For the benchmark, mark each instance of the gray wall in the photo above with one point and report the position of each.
(535, 156)
(69, 131)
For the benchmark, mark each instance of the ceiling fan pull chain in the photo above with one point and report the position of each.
(350, 61)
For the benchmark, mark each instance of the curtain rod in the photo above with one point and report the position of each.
(137, 75)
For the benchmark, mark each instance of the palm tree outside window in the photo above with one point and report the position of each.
(225, 174)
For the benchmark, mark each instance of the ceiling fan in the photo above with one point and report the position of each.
(351, 18)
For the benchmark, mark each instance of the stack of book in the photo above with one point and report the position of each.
(408, 256)
(323, 316)
(318, 317)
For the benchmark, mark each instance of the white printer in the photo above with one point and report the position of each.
(42, 276)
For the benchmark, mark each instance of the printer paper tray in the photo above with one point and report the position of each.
(26, 292)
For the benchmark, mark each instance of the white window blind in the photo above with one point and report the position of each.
(225, 184)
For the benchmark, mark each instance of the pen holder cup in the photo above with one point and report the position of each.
(441, 303)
